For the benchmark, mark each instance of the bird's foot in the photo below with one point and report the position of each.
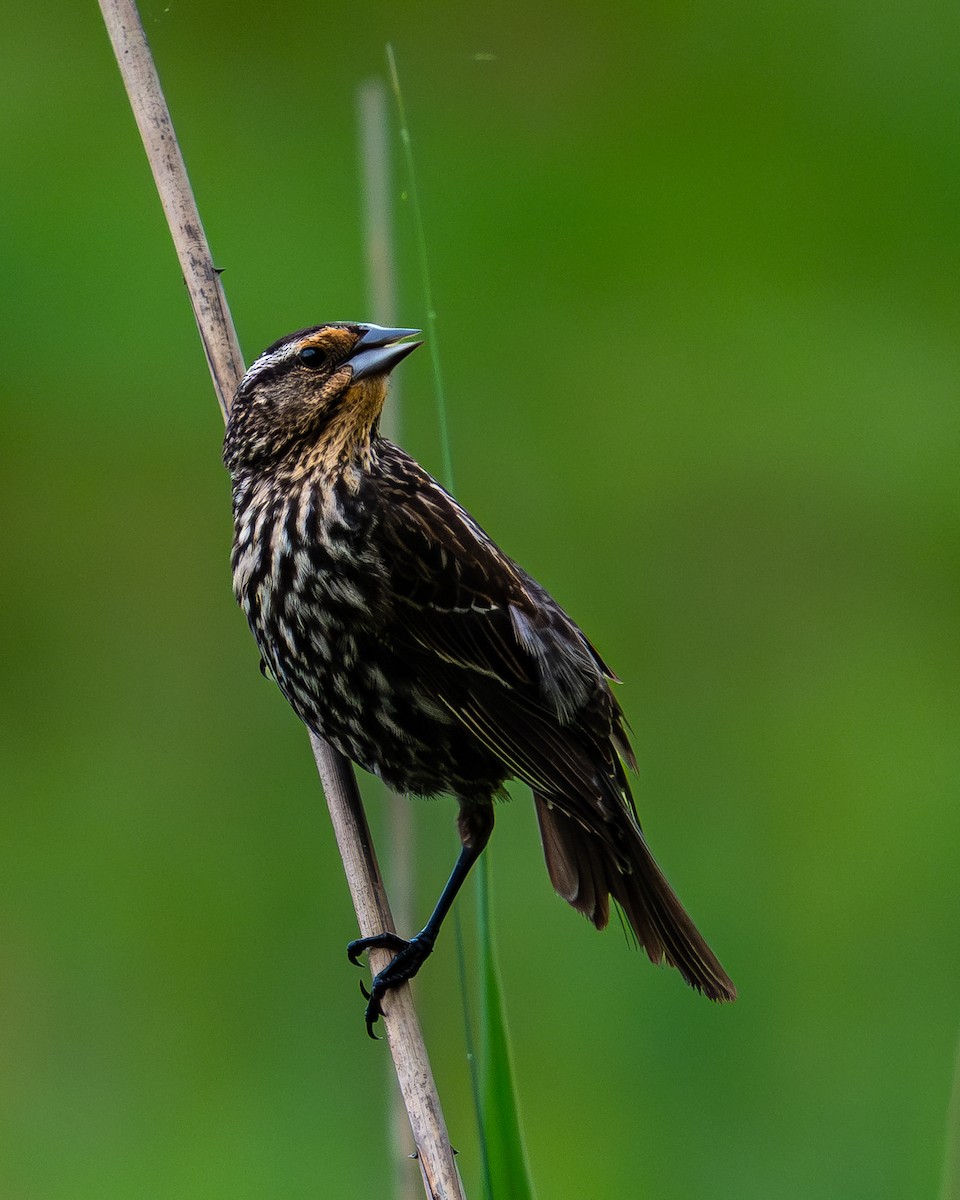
(409, 957)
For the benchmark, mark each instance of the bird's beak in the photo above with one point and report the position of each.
(379, 350)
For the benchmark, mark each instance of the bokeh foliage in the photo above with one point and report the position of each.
(696, 267)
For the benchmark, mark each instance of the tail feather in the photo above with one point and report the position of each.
(585, 871)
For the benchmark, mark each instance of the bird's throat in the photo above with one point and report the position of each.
(346, 439)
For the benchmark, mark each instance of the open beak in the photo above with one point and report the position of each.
(379, 350)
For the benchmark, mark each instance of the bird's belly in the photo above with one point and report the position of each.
(349, 683)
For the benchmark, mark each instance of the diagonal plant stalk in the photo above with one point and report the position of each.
(435, 1155)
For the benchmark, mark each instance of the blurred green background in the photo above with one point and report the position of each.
(696, 272)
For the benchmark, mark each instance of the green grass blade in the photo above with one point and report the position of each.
(433, 343)
(468, 1036)
(505, 1171)
(506, 1157)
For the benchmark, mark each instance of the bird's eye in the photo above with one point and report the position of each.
(313, 357)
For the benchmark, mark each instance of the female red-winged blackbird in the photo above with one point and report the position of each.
(400, 633)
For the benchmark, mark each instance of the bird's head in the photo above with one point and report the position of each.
(316, 393)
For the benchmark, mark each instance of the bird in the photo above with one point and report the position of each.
(400, 633)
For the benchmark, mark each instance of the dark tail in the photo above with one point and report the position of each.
(585, 872)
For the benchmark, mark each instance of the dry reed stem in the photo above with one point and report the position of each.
(435, 1155)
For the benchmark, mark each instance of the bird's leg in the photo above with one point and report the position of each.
(475, 823)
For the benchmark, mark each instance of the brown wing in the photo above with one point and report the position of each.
(499, 652)
(506, 660)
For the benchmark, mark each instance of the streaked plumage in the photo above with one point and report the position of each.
(403, 635)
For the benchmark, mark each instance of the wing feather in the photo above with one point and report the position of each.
(530, 686)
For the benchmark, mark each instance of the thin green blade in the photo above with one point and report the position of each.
(506, 1157)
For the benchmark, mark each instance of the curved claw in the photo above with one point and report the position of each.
(363, 990)
(406, 962)
(379, 941)
(374, 1013)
